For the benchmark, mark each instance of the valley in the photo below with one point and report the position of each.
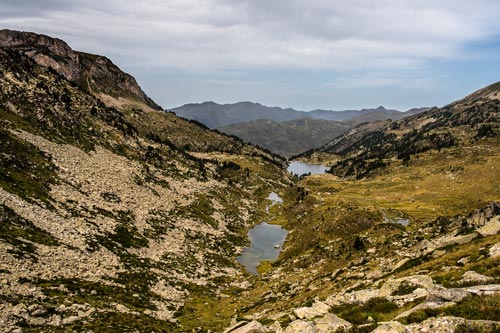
(118, 216)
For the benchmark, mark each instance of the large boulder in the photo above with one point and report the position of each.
(471, 276)
(300, 326)
(391, 286)
(244, 327)
(316, 310)
(391, 327)
(331, 323)
(449, 325)
(355, 297)
(491, 227)
(495, 250)
(438, 296)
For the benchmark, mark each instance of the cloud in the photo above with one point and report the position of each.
(256, 34)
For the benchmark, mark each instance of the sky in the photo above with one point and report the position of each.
(305, 54)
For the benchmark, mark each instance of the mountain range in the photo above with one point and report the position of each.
(283, 131)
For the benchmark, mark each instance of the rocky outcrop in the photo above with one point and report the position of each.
(331, 323)
(316, 310)
(481, 216)
(495, 250)
(245, 327)
(96, 74)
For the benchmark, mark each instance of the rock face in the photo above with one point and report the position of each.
(96, 74)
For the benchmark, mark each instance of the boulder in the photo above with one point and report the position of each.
(436, 325)
(471, 276)
(355, 297)
(244, 327)
(449, 324)
(425, 246)
(316, 310)
(417, 294)
(391, 327)
(400, 263)
(491, 227)
(463, 261)
(276, 327)
(439, 295)
(300, 326)
(392, 285)
(306, 313)
(331, 323)
(495, 250)
(451, 240)
(489, 289)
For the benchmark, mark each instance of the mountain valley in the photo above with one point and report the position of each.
(118, 216)
(286, 132)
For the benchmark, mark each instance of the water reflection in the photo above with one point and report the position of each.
(301, 168)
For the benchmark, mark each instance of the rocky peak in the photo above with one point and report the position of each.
(44, 50)
(96, 74)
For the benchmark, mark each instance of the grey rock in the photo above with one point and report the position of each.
(331, 323)
(491, 227)
(69, 320)
(439, 295)
(317, 309)
(495, 250)
(423, 281)
(489, 289)
(300, 326)
(244, 327)
(471, 276)
(391, 327)
(358, 297)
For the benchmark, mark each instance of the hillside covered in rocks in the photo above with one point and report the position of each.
(109, 218)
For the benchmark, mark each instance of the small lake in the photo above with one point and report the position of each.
(301, 168)
(266, 241)
(274, 197)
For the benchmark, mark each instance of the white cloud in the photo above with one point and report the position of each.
(258, 34)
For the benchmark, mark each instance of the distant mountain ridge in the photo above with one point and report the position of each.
(290, 137)
(284, 131)
(216, 115)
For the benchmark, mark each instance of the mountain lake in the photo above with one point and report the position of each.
(266, 241)
(301, 168)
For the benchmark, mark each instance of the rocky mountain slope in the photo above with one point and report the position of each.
(114, 214)
(287, 138)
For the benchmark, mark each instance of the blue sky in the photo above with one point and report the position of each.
(305, 54)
